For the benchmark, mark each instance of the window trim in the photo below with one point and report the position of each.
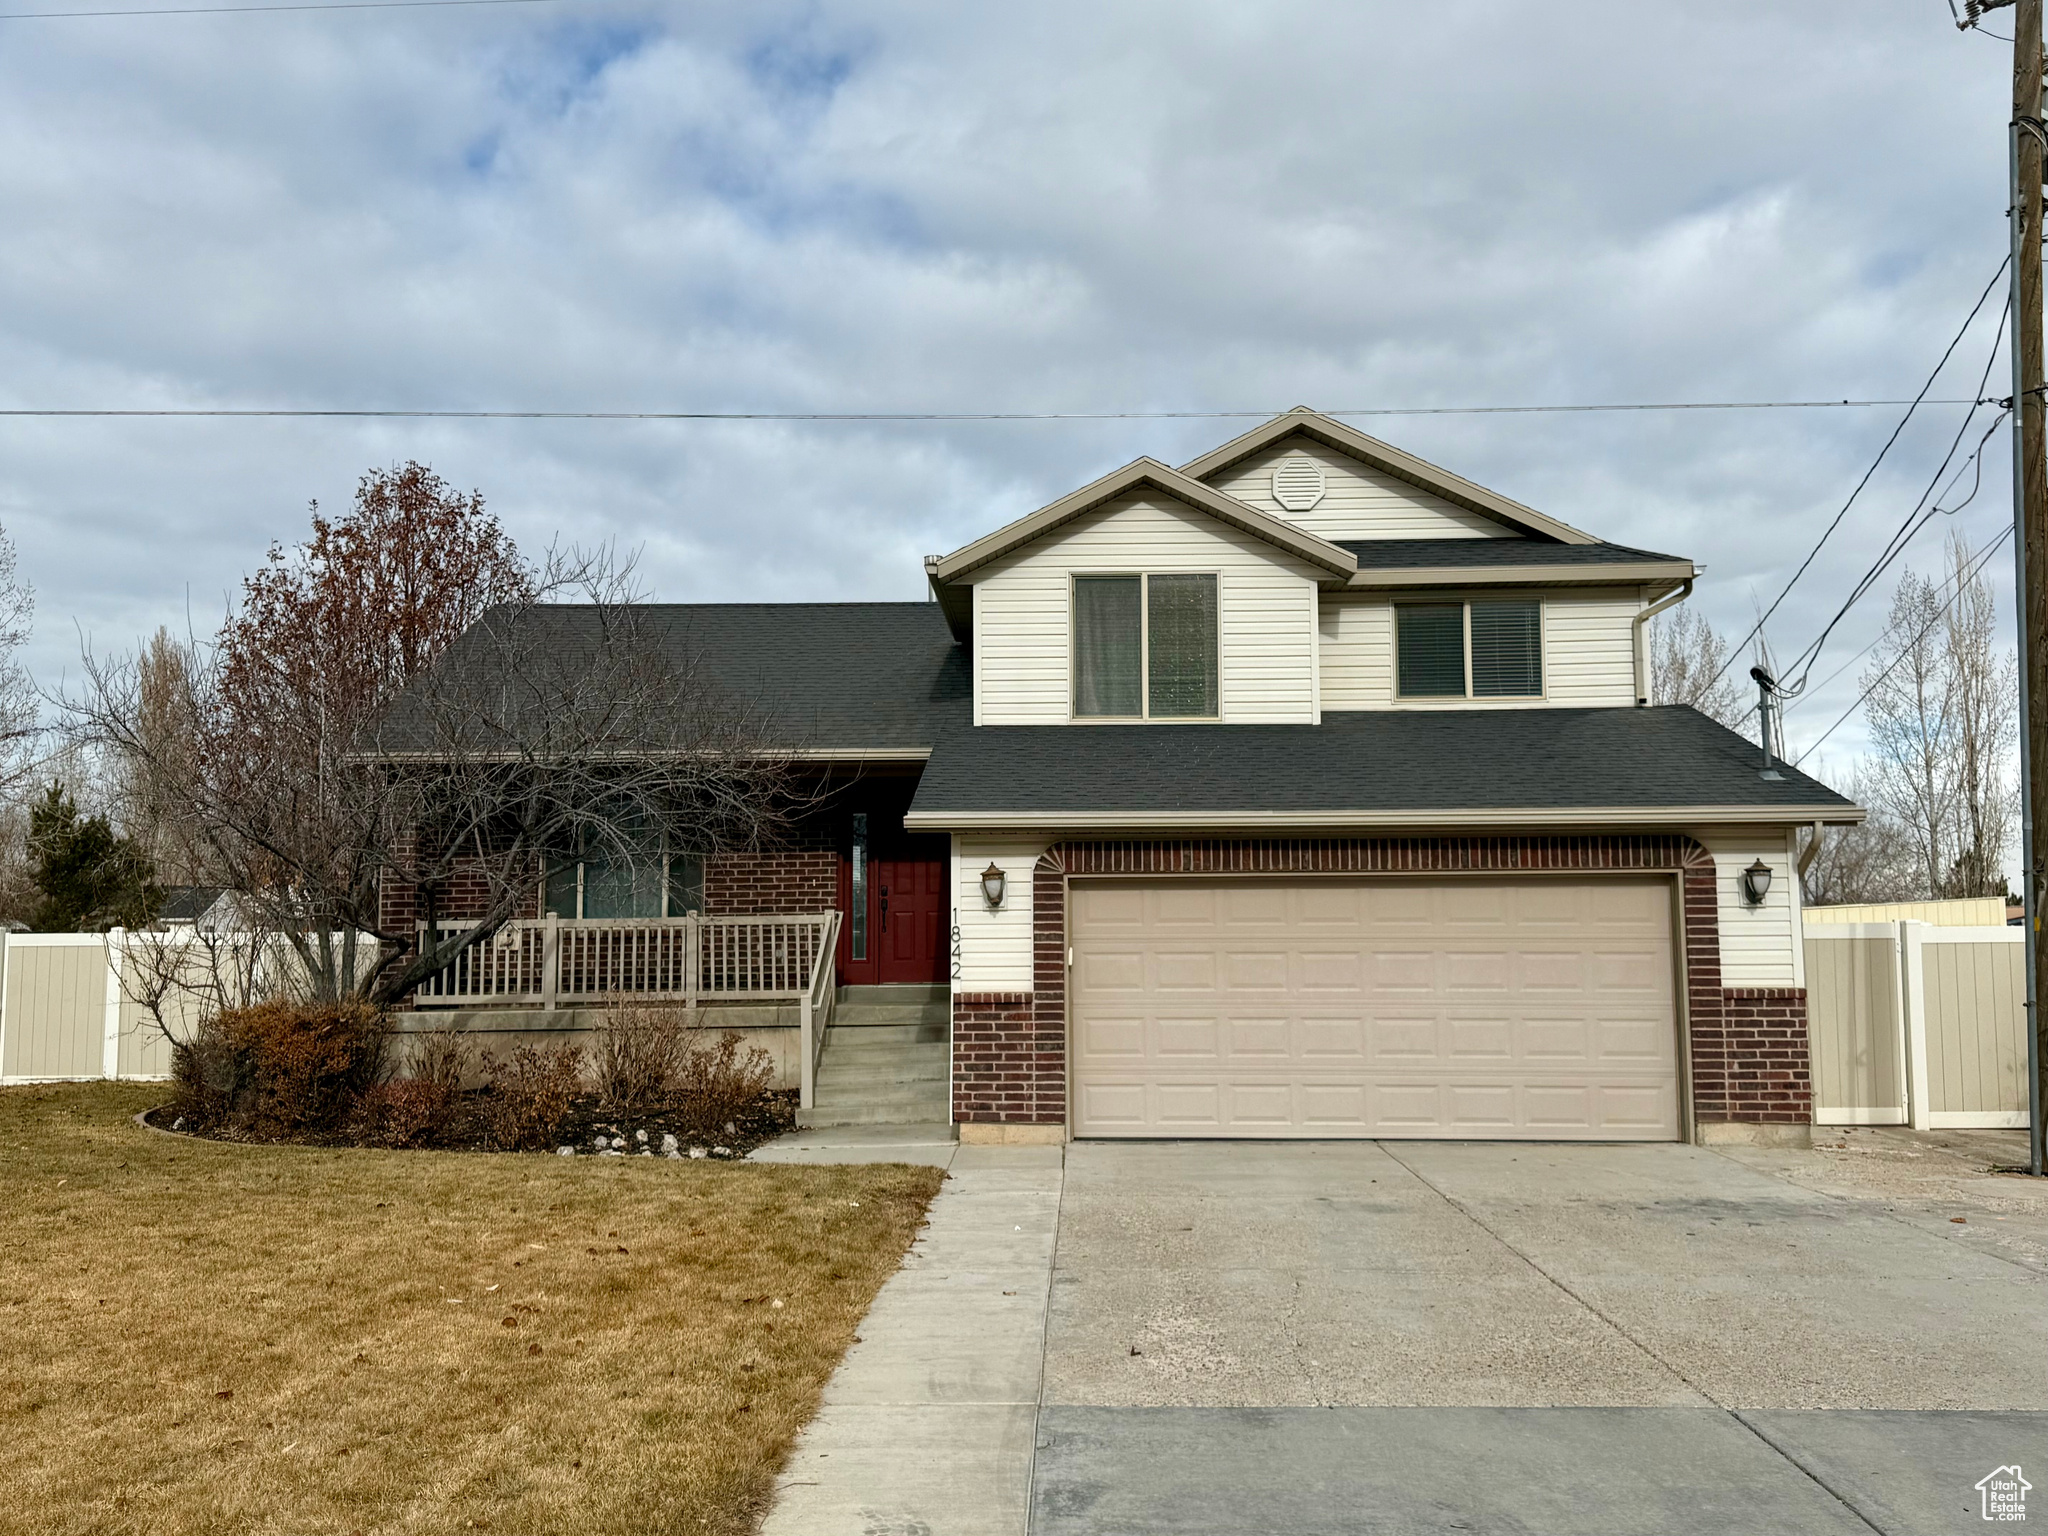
(1145, 715)
(1465, 600)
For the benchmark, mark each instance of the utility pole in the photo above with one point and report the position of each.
(2030, 514)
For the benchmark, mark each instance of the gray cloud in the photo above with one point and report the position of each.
(1063, 207)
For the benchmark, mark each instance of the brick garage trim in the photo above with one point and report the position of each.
(1746, 1049)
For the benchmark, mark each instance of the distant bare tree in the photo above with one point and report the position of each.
(150, 807)
(1689, 665)
(1942, 705)
(20, 708)
(1910, 707)
(1984, 681)
(1873, 861)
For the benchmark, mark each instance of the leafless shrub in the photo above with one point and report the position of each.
(640, 1049)
(717, 1086)
(531, 1093)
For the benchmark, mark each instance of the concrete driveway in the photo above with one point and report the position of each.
(1360, 1337)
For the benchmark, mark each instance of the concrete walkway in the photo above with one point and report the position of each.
(927, 1428)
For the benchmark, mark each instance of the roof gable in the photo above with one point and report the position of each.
(1480, 512)
(952, 575)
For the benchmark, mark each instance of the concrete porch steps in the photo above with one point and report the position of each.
(885, 1058)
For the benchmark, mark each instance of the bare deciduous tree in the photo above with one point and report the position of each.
(419, 711)
(1873, 861)
(1942, 707)
(1689, 664)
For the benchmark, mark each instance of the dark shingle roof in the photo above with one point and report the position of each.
(1477, 554)
(1368, 761)
(830, 675)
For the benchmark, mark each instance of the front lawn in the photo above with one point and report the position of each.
(211, 1339)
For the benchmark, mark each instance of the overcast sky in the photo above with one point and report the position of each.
(603, 204)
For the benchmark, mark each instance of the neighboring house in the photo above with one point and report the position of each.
(1306, 790)
(193, 906)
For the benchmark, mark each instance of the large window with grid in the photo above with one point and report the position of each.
(652, 882)
(1477, 648)
(1145, 647)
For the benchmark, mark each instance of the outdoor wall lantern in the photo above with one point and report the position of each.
(992, 883)
(1756, 883)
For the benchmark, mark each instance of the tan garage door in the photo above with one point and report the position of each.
(1523, 1008)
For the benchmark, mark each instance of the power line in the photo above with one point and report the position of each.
(1907, 649)
(233, 10)
(1891, 627)
(1389, 410)
(1914, 522)
(1917, 401)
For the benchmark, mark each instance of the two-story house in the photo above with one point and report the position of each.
(1305, 790)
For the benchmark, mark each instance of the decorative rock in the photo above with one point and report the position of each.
(669, 1144)
(178, 1124)
(731, 1129)
(721, 1151)
(565, 1151)
(641, 1137)
(696, 1151)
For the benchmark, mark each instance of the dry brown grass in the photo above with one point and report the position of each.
(199, 1339)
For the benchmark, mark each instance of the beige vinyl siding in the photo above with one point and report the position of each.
(995, 947)
(1759, 945)
(1357, 652)
(1858, 1039)
(1976, 1036)
(1587, 654)
(54, 1021)
(1359, 502)
(1589, 649)
(1266, 601)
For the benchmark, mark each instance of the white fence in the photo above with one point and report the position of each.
(1914, 1024)
(72, 1009)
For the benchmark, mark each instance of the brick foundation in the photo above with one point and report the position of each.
(1004, 1066)
(1748, 1049)
(1760, 1056)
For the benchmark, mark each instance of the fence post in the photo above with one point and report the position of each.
(807, 1073)
(551, 962)
(110, 1051)
(1913, 1015)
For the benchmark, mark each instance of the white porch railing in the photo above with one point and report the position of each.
(551, 962)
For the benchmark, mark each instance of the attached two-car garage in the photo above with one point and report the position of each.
(1521, 1007)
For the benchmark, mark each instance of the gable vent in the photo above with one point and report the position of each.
(1297, 483)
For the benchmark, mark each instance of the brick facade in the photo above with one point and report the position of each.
(1000, 1074)
(1761, 1057)
(1747, 1049)
(801, 879)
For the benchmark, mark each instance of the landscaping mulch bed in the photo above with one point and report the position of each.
(589, 1130)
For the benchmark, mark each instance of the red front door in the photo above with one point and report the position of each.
(899, 933)
(910, 899)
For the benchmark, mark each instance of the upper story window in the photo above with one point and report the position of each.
(1145, 647)
(1487, 648)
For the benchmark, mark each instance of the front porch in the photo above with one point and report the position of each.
(774, 980)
